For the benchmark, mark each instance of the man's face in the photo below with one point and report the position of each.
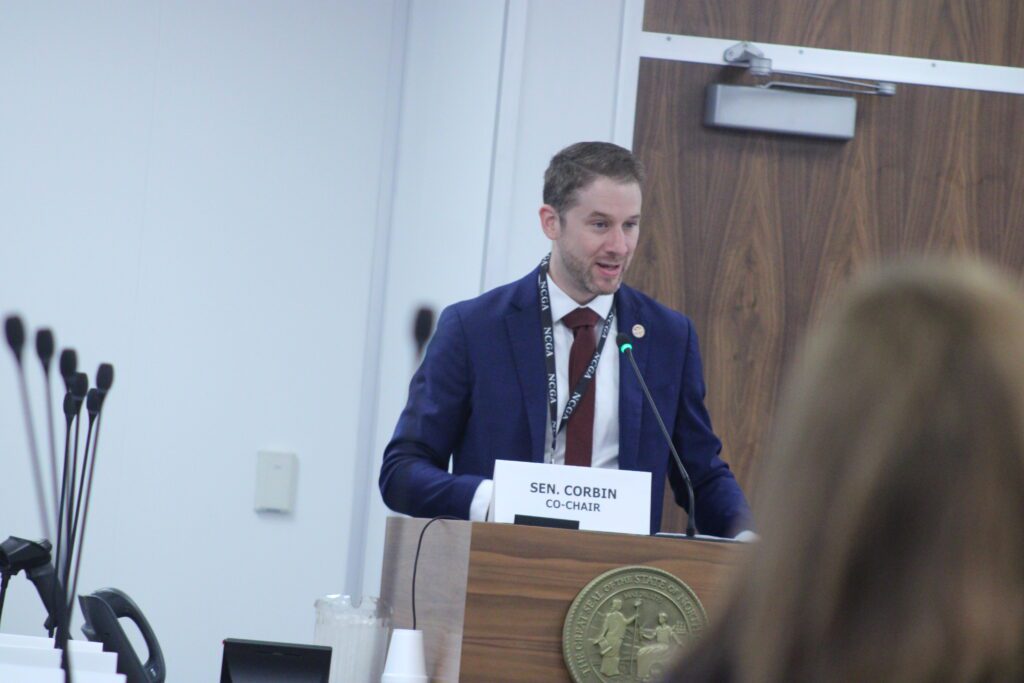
(593, 242)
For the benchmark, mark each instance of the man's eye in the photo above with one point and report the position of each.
(630, 225)
(600, 224)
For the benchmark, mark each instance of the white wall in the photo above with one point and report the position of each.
(263, 202)
(569, 66)
(560, 59)
(188, 189)
(439, 210)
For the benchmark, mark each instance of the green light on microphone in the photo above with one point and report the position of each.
(623, 348)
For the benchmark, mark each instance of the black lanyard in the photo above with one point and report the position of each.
(584, 382)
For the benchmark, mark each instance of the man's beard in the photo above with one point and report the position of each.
(581, 274)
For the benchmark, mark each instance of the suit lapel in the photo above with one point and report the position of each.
(631, 398)
(524, 335)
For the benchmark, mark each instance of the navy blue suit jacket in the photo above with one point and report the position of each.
(480, 395)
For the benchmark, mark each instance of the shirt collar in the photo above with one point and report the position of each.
(562, 304)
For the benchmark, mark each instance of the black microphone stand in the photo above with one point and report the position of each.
(626, 347)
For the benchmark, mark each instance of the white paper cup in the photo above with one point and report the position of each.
(405, 663)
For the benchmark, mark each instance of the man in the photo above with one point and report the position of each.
(609, 640)
(481, 393)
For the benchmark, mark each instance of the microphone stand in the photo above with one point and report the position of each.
(626, 347)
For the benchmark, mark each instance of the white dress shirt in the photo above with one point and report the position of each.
(605, 451)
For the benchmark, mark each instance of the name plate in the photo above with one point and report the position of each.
(599, 499)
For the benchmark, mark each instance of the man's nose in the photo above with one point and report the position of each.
(616, 242)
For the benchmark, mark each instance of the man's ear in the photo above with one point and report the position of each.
(550, 222)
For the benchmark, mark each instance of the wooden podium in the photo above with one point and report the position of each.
(491, 599)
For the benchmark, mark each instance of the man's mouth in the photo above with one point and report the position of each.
(609, 269)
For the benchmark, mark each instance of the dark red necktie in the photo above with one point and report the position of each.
(579, 432)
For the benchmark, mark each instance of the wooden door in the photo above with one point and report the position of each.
(752, 234)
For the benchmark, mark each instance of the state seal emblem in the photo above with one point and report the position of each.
(628, 624)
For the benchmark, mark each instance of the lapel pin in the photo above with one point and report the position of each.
(639, 331)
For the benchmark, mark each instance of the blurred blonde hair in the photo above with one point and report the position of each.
(893, 500)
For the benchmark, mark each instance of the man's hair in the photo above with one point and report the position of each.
(578, 165)
(893, 496)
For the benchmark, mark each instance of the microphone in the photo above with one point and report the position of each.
(44, 349)
(104, 378)
(92, 403)
(78, 386)
(68, 366)
(14, 329)
(94, 406)
(69, 408)
(625, 344)
(422, 328)
(70, 411)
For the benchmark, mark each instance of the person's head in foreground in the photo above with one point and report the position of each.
(893, 500)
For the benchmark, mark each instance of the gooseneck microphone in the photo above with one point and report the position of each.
(94, 406)
(45, 347)
(625, 344)
(68, 369)
(79, 390)
(68, 366)
(14, 329)
(104, 379)
(69, 417)
(422, 328)
(44, 350)
(77, 386)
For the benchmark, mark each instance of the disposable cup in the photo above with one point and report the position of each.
(405, 662)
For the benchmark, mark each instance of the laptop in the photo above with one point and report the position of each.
(257, 661)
